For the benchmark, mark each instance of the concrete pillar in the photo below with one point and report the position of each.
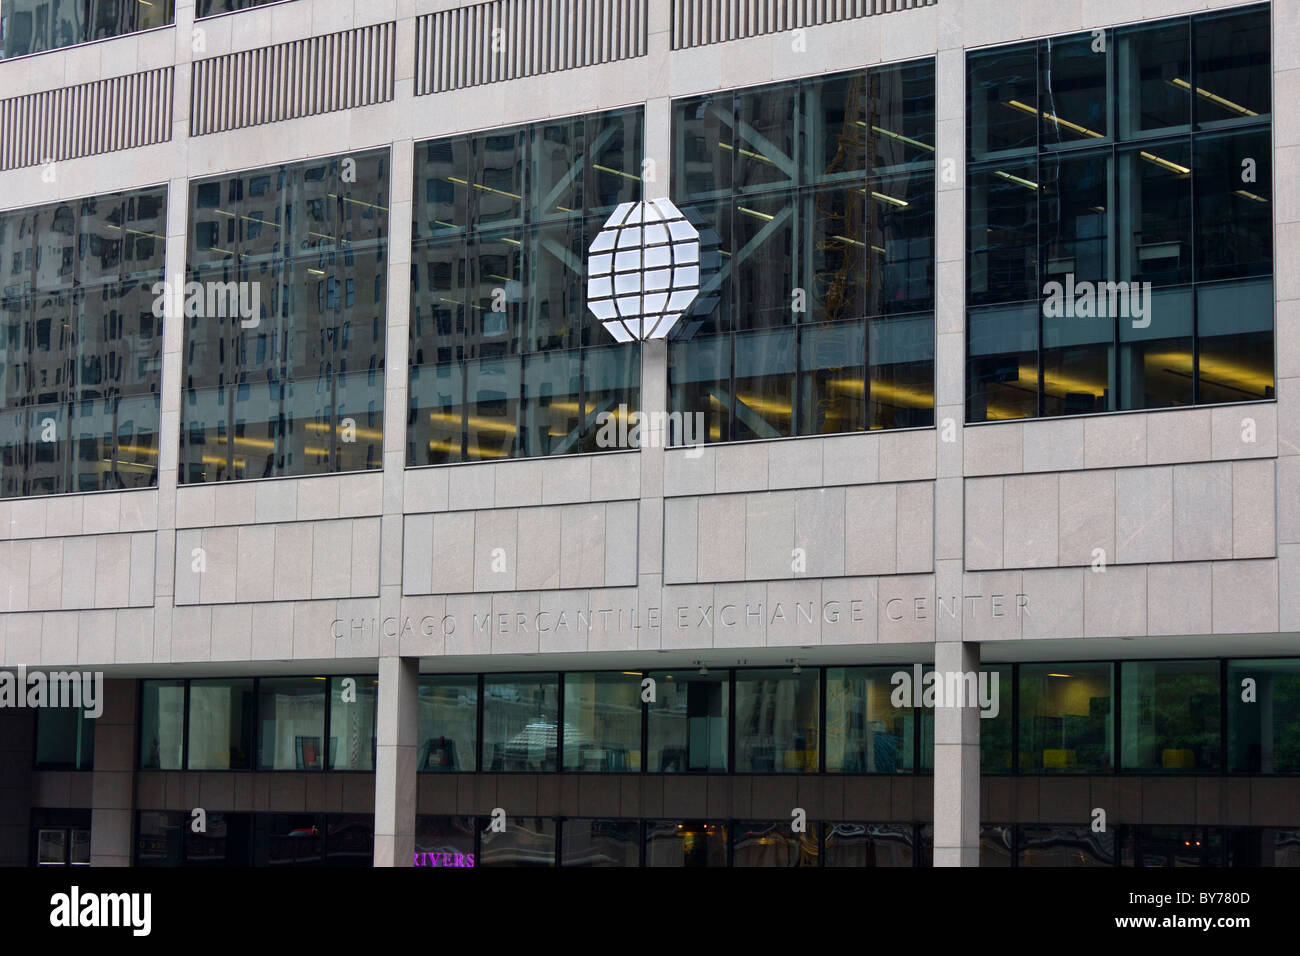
(395, 789)
(113, 784)
(956, 765)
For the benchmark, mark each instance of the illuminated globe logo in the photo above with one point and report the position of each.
(643, 270)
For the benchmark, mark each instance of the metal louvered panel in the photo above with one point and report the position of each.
(99, 117)
(315, 75)
(701, 22)
(509, 39)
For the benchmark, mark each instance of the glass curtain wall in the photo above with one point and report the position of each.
(285, 310)
(34, 26)
(506, 361)
(1119, 219)
(820, 316)
(81, 344)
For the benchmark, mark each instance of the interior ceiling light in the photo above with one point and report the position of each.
(1213, 98)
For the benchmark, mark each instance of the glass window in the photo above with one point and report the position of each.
(448, 723)
(289, 839)
(688, 722)
(350, 839)
(827, 222)
(520, 712)
(773, 844)
(506, 360)
(445, 841)
(353, 703)
(162, 724)
(685, 843)
(227, 842)
(291, 717)
(1171, 715)
(1062, 219)
(1065, 846)
(1178, 846)
(159, 837)
(1264, 716)
(997, 844)
(602, 721)
(34, 26)
(865, 732)
(65, 739)
(526, 841)
(220, 724)
(1065, 718)
(283, 359)
(1263, 846)
(208, 8)
(996, 749)
(81, 344)
(870, 844)
(51, 847)
(776, 721)
(600, 843)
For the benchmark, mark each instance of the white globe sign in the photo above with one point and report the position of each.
(643, 270)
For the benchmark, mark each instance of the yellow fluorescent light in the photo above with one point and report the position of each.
(1249, 195)
(567, 407)
(768, 406)
(256, 442)
(616, 172)
(755, 213)
(474, 451)
(513, 242)
(889, 199)
(563, 208)
(1161, 161)
(316, 272)
(899, 136)
(1026, 108)
(313, 450)
(1213, 98)
(478, 424)
(358, 202)
(138, 449)
(360, 432)
(747, 152)
(854, 242)
(1015, 179)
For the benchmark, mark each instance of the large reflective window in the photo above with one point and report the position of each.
(353, 704)
(291, 719)
(685, 843)
(1171, 717)
(602, 721)
(826, 222)
(1264, 716)
(33, 26)
(526, 841)
(1119, 206)
(1065, 846)
(65, 739)
(600, 843)
(506, 361)
(81, 344)
(774, 844)
(688, 722)
(520, 715)
(221, 724)
(285, 312)
(865, 732)
(1066, 722)
(448, 723)
(777, 721)
(870, 844)
(162, 724)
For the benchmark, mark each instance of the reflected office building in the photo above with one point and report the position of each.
(633, 435)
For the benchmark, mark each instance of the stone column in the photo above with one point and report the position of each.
(113, 783)
(956, 766)
(956, 744)
(395, 790)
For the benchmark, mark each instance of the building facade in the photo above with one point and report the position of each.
(573, 432)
